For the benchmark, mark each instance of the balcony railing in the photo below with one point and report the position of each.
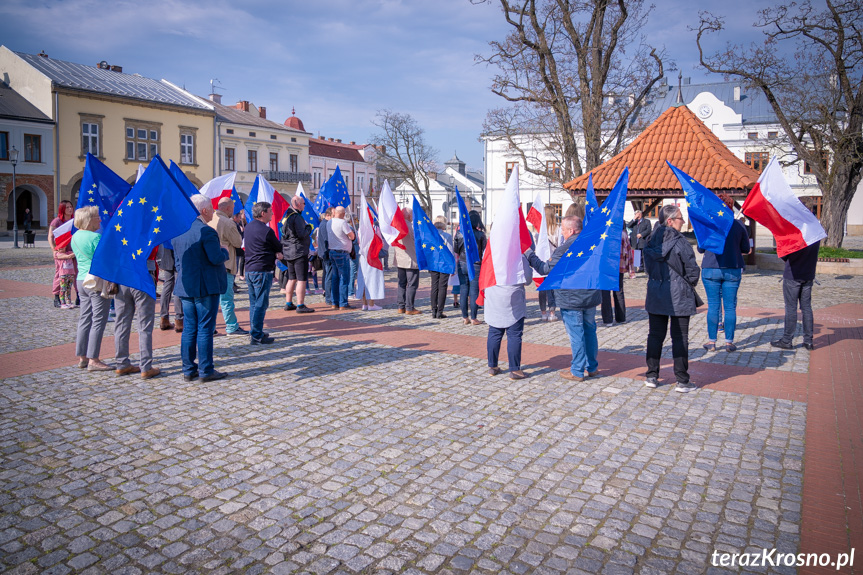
(287, 177)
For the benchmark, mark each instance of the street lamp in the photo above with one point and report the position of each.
(13, 158)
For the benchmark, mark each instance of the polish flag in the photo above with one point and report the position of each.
(536, 216)
(508, 239)
(773, 204)
(220, 187)
(63, 235)
(391, 219)
(262, 191)
(370, 280)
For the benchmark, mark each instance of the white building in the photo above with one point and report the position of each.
(442, 190)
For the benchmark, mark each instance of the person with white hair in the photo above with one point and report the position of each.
(201, 280)
(230, 238)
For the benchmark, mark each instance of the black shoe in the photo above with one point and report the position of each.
(263, 341)
(77, 301)
(304, 309)
(289, 306)
(684, 387)
(56, 300)
(188, 378)
(240, 331)
(809, 346)
(781, 344)
(214, 376)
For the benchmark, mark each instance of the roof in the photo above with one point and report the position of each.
(13, 105)
(752, 105)
(681, 138)
(236, 116)
(294, 122)
(347, 152)
(92, 79)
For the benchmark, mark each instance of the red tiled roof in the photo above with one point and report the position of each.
(295, 123)
(681, 138)
(323, 148)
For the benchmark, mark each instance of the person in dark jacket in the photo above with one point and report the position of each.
(639, 237)
(324, 251)
(201, 278)
(469, 290)
(577, 308)
(721, 275)
(672, 274)
(167, 273)
(797, 280)
(296, 239)
(262, 250)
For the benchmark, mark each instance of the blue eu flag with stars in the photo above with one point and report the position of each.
(593, 259)
(102, 188)
(154, 211)
(470, 248)
(333, 193)
(591, 204)
(432, 252)
(711, 218)
(182, 180)
(310, 216)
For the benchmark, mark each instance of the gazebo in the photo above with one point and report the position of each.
(678, 136)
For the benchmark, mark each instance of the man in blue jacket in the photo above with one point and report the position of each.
(577, 308)
(200, 265)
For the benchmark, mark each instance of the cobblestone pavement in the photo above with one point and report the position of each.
(317, 465)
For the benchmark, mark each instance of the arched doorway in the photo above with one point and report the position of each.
(28, 196)
(76, 188)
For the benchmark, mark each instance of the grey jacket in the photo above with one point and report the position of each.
(565, 298)
(670, 292)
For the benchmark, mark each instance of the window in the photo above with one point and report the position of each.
(187, 148)
(252, 135)
(90, 139)
(552, 169)
(272, 136)
(253, 160)
(293, 139)
(294, 163)
(4, 145)
(142, 142)
(558, 210)
(757, 160)
(752, 135)
(32, 148)
(347, 179)
(229, 130)
(510, 166)
(229, 159)
(360, 179)
(274, 161)
(317, 180)
(813, 203)
(807, 169)
(772, 135)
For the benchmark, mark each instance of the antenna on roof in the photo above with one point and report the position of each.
(214, 97)
(679, 101)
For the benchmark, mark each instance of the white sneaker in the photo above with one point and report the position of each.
(544, 316)
(552, 317)
(365, 308)
(354, 298)
(374, 308)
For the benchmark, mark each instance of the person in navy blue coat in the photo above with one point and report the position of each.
(200, 264)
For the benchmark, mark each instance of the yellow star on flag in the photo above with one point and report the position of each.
(139, 252)
(142, 200)
(133, 255)
(719, 213)
(125, 243)
(580, 254)
(120, 213)
(158, 218)
(105, 212)
(604, 235)
(130, 202)
(155, 230)
(91, 200)
(569, 255)
(591, 247)
(604, 210)
(432, 248)
(608, 223)
(94, 185)
(90, 192)
(117, 227)
(424, 245)
(155, 209)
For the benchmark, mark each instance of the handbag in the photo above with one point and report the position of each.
(317, 263)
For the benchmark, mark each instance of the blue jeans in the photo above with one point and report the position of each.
(259, 300)
(513, 344)
(340, 277)
(721, 285)
(468, 289)
(199, 315)
(355, 266)
(328, 279)
(226, 300)
(581, 328)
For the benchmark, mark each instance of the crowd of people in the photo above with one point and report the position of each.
(200, 272)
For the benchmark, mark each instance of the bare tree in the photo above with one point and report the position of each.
(569, 69)
(403, 154)
(817, 95)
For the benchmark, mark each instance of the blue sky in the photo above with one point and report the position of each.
(336, 61)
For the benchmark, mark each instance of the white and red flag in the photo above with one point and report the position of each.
(219, 187)
(394, 227)
(370, 279)
(508, 239)
(536, 217)
(262, 191)
(63, 234)
(774, 205)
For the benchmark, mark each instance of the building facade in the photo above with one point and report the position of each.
(442, 190)
(356, 162)
(122, 119)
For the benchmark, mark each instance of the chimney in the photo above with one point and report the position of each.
(117, 69)
(217, 98)
(332, 139)
(262, 112)
(736, 93)
(338, 141)
(43, 54)
(243, 105)
(353, 143)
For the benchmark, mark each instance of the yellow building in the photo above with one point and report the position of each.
(123, 119)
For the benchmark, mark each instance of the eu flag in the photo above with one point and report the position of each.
(309, 214)
(183, 181)
(154, 211)
(593, 259)
(102, 188)
(432, 252)
(470, 248)
(591, 204)
(711, 218)
(333, 193)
